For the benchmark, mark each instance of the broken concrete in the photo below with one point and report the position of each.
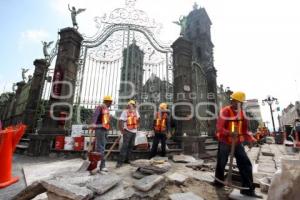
(67, 190)
(204, 176)
(183, 158)
(138, 174)
(141, 163)
(84, 166)
(75, 178)
(197, 164)
(147, 183)
(53, 196)
(118, 192)
(102, 183)
(183, 196)
(154, 193)
(31, 191)
(148, 167)
(177, 178)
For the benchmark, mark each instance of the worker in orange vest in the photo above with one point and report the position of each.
(161, 128)
(128, 124)
(101, 124)
(233, 121)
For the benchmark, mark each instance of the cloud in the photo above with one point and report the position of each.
(32, 36)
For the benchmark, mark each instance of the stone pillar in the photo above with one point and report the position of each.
(182, 59)
(35, 94)
(212, 98)
(186, 126)
(16, 117)
(64, 79)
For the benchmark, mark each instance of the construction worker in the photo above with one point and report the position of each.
(161, 128)
(128, 124)
(101, 124)
(232, 121)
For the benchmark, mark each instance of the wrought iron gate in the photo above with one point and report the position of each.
(124, 49)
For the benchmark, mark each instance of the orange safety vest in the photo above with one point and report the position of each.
(236, 126)
(105, 118)
(131, 120)
(161, 122)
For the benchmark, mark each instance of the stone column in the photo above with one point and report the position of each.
(35, 94)
(184, 90)
(64, 79)
(14, 116)
(182, 59)
(211, 75)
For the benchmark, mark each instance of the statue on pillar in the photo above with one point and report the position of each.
(74, 13)
(24, 71)
(182, 23)
(14, 87)
(46, 46)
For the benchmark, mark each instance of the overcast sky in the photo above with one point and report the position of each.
(257, 42)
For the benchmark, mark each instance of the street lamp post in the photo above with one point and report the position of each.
(269, 100)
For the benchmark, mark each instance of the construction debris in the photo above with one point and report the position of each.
(177, 178)
(188, 195)
(183, 158)
(102, 183)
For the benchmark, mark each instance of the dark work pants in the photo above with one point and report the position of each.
(128, 143)
(242, 160)
(159, 137)
(101, 140)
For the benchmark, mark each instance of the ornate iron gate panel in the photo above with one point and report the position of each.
(124, 49)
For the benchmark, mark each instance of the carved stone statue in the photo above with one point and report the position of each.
(29, 78)
(24, 71)
(74, 13)
(46, 46)
(14, 87)
(182, 23)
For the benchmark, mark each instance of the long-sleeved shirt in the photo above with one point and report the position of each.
(97, 115)
(224, 130)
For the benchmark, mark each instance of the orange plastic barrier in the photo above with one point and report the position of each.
(9, 138)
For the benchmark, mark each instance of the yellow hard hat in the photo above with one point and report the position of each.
(163, 106)
(131, 102)
(107, 98)
(239, 96)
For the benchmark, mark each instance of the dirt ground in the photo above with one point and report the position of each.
(202, 189)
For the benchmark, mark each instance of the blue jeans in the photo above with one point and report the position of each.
(101, 140)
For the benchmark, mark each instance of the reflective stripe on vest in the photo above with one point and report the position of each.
(161, 122)
(105, 118)
(131, 120)
(236, 126)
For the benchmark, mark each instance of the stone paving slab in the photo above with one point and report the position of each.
(102, 183)
(185, 196)
(183, 158)
(147, 183)
(177, 178)
(67, 190)
(235, 195)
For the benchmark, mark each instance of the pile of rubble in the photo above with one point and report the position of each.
(147, 181)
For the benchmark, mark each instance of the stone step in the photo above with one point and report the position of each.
(211, 147)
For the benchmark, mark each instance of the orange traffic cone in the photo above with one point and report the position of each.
(9, 138)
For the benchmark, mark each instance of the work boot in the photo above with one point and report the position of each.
(127, 161)
(217, 184)
(250, 193)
